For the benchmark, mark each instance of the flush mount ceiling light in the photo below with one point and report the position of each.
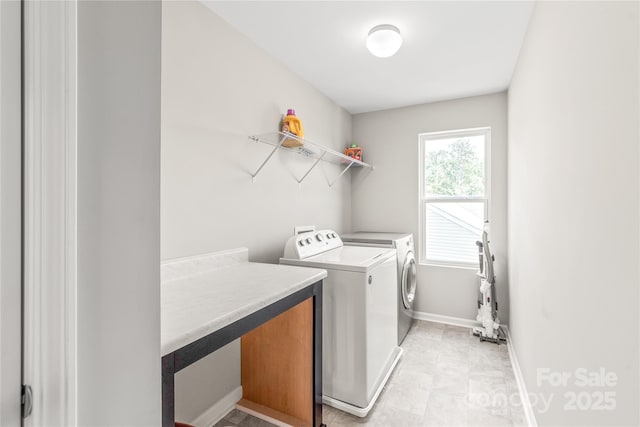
(384, 41)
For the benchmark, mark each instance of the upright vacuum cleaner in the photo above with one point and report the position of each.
(487, 303)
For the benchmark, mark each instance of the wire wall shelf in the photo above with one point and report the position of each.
(304, 147)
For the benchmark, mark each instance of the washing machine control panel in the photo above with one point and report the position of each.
(310, 243)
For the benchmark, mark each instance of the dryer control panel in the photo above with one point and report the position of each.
(310, 243)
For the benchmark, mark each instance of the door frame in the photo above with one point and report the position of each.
(10, 212)
(50, 210)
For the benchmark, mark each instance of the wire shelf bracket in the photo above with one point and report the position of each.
(255, 174)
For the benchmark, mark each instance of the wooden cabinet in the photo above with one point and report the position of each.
(277, 367)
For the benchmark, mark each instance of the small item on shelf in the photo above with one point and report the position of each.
(354, 152)
(292, 124)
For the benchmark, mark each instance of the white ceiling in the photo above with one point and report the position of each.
(451, 49)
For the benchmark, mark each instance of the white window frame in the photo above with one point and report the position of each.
(423, 139)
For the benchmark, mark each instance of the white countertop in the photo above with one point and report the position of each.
(203, 294)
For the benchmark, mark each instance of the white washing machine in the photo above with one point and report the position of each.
(406, 261)
(359, 346)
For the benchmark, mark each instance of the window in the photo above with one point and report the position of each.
(454, 193)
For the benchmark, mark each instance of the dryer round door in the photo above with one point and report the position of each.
(409, 280)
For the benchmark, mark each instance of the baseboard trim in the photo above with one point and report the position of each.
(447, 320)
(219, 409)
(529, 415)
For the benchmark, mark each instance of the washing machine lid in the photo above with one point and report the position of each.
(372, 237)
(346, 258)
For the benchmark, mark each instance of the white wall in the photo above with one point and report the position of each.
(573, 203)
(119, 213)
(10, 214)
(386, 199)
(218, 88)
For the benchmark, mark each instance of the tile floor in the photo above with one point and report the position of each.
(446, 377)
(237, 418)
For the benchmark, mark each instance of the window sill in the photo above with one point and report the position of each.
(462, 266)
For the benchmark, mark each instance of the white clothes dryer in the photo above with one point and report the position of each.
(406, 276)
(359, 348)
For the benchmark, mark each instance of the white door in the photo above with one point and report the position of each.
(10, 214)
